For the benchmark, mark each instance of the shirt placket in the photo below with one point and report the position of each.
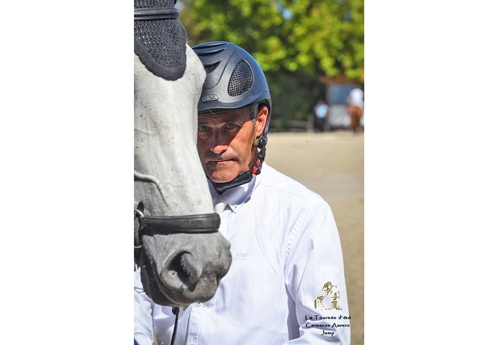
(198, 311)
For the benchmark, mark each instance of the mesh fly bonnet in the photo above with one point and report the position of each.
(159, 38)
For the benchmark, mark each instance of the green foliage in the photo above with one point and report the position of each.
(318, 37)
(294, 41)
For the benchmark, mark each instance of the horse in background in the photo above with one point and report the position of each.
(181, 254)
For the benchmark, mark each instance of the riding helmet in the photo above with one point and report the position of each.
(234, 80)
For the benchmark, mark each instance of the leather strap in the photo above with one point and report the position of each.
(156, 13)
(191, 224)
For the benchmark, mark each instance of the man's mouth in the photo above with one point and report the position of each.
(221, 160)
(216, 161)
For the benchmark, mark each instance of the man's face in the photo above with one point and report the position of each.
(225, 142)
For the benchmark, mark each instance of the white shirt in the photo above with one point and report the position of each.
(356, 98)
(286, 252)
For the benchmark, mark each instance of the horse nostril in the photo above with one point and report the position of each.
(187, 268)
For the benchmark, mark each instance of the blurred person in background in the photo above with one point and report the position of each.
(355, 108)
(321, 112)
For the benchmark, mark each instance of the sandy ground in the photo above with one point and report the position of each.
(332, 164)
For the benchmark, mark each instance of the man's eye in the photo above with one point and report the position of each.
(231, 126)
(202, 128)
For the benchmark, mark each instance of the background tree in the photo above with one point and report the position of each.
(294, 41)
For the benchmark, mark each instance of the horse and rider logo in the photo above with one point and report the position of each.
(330, 293)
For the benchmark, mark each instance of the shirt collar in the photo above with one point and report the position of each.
(237, 196)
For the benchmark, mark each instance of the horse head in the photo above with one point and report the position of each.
(181, 254)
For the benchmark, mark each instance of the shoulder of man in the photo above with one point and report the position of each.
(281, 183)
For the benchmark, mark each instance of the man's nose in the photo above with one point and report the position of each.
(219, 143)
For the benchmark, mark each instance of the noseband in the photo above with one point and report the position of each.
(166, 225)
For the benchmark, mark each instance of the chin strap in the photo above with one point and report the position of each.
(241, 178)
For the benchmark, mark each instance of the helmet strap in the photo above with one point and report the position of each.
(242, 178)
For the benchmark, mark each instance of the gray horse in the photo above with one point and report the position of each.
(181, 255)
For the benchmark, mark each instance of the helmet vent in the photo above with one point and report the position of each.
(241, 80)
(210, 67)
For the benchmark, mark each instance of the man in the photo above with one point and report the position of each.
(321, 112)
(355, 105)
(286, 282)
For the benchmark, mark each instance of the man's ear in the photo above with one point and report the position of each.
(261, 120)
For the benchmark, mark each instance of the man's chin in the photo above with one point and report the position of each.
(220, 179)
(221, 172)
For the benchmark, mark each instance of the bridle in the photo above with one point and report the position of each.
(166, 225)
